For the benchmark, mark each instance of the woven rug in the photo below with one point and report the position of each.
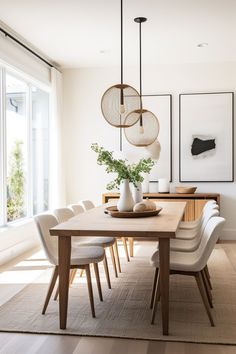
(125, 312)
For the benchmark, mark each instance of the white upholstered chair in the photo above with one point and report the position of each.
(76, 208)
(191, 263)
(63, 214)
(193, 224)
(87, 205)
(190, 245)
(81, 258)
(190, 234)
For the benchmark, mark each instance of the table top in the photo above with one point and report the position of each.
(95, 222)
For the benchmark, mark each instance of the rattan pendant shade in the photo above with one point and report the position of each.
(146, 130)
(121, 99)
(117, 102)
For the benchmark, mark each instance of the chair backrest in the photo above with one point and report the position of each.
(45, 222)
(209, 238)
(208, 203)
(87, 204)
(76, 208)
(209, 210)
(209, 213)
(63, 214)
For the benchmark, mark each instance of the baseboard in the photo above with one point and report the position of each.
(228, 234)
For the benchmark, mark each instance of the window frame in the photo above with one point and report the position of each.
(30, 82)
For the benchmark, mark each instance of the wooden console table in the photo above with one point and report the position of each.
(195, 203)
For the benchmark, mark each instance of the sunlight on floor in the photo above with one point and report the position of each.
(30, 269)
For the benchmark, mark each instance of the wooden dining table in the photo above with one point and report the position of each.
(95, 222)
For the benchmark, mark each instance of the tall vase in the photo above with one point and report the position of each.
(138, 194)
(145, 184)
(125, 202)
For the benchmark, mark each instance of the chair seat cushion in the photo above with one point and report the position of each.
(86, 255)
(181, 261)
(185, 234)
(184, 245)
(189, 225)
(93, 241)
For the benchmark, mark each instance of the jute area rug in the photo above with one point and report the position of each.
(125, 312)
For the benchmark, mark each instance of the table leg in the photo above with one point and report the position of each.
(131, 246)
(164, 254)
(64, 251)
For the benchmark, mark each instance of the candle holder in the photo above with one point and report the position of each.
(163, 185)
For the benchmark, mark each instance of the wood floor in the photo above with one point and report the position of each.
(15, 343)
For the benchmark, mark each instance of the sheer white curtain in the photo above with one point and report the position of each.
(57, 177)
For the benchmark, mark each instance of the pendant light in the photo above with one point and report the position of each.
(121, 99)
(146, 130)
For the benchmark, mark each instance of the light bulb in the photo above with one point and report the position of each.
(122, 108)
(141, 129)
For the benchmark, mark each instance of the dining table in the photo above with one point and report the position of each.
(95, 222)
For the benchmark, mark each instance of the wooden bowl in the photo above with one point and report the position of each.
(185, 190)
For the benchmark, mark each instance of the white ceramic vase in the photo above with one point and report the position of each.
(125, 202)
(138, 194)
(145, 184)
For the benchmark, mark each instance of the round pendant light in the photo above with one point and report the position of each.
(121, 99)
(146, 130)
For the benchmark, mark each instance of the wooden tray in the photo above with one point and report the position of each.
(112, 210)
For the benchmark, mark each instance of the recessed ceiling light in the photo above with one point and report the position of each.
(201, 45)
(102, 51)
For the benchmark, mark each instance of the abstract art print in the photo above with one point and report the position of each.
(206, 139)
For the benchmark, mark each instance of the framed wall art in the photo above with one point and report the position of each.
(161, 106)
(206, 137)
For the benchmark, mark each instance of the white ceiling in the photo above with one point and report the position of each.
(74, 32)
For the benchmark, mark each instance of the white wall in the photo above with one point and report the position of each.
(83, 123)
(17, 239)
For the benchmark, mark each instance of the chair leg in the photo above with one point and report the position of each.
(72, 276)
(113, 261)
(208, 276)
(56, 293)
(207, 289)
(131, 246)
(50, 289)
(156, 297)
(201, 288)
(96, 270)
(154, 288)
(90, 289)
(117, 256)
(207, 271)
(107, 271)
(126, 248)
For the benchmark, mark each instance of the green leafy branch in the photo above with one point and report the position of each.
(132, 172)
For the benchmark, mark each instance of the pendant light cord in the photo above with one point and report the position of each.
(121, 41)
(140, 72)
(140, 60)
(121, 62)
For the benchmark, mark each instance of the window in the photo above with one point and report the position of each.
(24, 148)
(16, 148)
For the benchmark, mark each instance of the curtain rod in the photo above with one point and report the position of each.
(27, 48)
